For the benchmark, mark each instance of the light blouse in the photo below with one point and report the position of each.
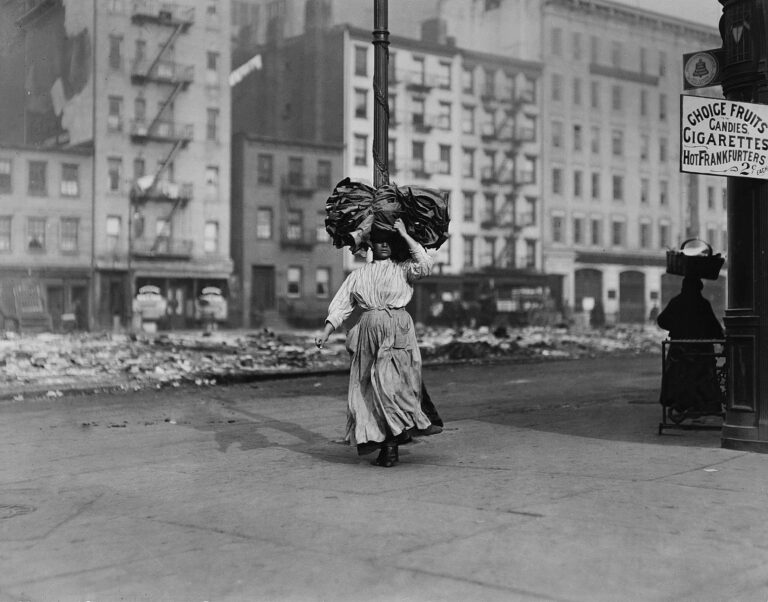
(381, 284)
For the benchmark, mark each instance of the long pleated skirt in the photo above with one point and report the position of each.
(384, 399)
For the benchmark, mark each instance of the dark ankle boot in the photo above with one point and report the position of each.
(387, 457)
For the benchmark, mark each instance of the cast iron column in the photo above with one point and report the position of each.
(380, 94)
(743, 30)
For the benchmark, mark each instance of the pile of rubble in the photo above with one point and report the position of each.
(137, 361)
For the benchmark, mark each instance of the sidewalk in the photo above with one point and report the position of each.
(549, 483)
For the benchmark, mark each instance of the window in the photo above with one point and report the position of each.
(417, 157)
(212, 125)
(530, 217)
(468, 80)
(468, 163)
(392, 155)
(38, 185)
(211, 237)
(488, 257)
(643, 60)
(6, 184)
(69, 232)
(321, 234)
(645, 147)
(617, 232)
(468, 206)
(417, 116)
(595, 233)
(576, 91)
(469, 251)
(361, 103)
(557, 134)
(527, 170)
(445, 159)
(577, 184)
(557, 228)
(594, 140)
(293, 281)
(5, 234)
(557, 87)
(294, 224)
(468, 120)
(36, 233)
(295, 171)
(115, 55)
(212, 182)
(594, 49)
(594, 94)
(710, 197)
(645, 191)
(489, 208)
(114, 117)
(361, 149)
(557, 180)
(70, 182)
(711, 236)
(577, 138)
(663, 235)
(265, 169)
(662, 63)
(264, 223)
(663, 146)
(444, 75)
(595, 185)
(617, 51)
(618, 188)
(557, 41)
(617, 143)
(114, 173)
(140, 109)
(140, 52)
(324, 173)
(489, 79)
(724, 239)
(576, 45)
(578, 230)
(139, 168)
(725, 198)
(616, 98)
(361, 60)
(530, 253)
(528, 89)
(212, 68)
(444, 116)
(663, 192)
(645, 235)
(322, 282)
(112, 227)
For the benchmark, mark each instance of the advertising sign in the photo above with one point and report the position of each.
(723, 138)
(702, 69)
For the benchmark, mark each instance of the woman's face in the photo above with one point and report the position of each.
(381, 250)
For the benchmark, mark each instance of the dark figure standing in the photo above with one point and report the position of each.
(690, 379)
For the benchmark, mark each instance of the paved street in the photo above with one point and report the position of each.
(549, 483)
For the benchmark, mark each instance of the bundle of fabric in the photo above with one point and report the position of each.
(353, 209)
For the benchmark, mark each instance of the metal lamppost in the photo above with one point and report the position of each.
(745, 78)
(380, 94)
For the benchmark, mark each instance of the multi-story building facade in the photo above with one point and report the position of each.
(462, 122)
(615, 199)
(285, 264)
(144, 87)
(46, 231)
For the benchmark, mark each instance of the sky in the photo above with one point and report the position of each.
(701, 11)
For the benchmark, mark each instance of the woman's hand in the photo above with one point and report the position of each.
(322, 338)
(399, 225)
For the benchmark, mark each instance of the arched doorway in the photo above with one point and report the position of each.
(632, 297)
(587, 283)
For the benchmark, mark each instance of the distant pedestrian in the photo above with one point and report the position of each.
(385, 386)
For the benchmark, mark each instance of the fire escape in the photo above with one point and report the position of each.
(504, 169)
(172, 79)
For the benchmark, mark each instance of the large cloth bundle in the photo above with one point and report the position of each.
(353, 209)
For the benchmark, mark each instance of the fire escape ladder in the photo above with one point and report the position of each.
(171, 39)
(166, 103)
(163, 166)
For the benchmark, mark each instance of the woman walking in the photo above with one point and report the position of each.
(384, 399)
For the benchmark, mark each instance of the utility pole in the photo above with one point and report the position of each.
(745, 78)
(380, 93)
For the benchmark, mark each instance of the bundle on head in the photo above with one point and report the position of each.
(354, 208)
